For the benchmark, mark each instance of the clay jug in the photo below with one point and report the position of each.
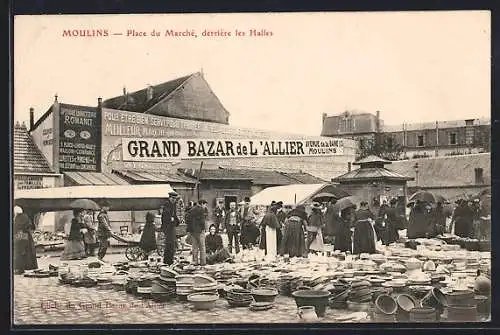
(307, 314)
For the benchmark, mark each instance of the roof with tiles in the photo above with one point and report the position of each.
(138, 102)
(446, 171)
(27, 156)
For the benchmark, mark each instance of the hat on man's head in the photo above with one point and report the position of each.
(247, 199)
(393, 201)
(202, 201)
(273, 203)
(173, 194)
(316, 205)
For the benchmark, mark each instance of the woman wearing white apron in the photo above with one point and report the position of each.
(269, 241)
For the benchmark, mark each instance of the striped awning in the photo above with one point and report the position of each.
(94, 178)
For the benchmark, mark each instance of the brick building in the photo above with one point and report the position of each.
(440, 138)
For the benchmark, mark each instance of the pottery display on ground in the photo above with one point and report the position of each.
(423, 314)
(318, 299)
(202, 301)
(264, 294)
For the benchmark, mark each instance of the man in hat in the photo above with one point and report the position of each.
(104, 231)
(197, 229)
(219, 215)
(233, 228)
(169, 221)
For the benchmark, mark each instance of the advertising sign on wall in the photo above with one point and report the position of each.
(157, 149)
(79, 139)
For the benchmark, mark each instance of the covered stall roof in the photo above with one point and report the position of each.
(120, 197)
(294, 194)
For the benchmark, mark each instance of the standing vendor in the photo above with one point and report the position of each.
(169, 221)
(103, 230)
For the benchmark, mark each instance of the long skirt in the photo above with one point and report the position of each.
(271, 243)
(343, 240)
(363, 239)
(318, 244)
(24, 252)
(73, 250)
(293, 243)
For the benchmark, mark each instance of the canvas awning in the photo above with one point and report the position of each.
(120, 197)
(94, 178)
(290, 194)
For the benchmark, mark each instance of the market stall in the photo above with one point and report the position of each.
(120, 197)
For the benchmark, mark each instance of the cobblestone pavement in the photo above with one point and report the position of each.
(45, 301)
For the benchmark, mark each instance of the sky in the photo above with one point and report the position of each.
(412, 66)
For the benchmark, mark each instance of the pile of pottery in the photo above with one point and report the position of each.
(204, 284)
(145, 286)
(119, 280)
(316, 298)
(435, 299)
(239, 297)
(385, 309)
(263, 299)
(184, 286)
(203, 300)
(360, 296)
(164, 288)
(340, 293)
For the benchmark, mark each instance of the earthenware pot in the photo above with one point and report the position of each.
(318, 299)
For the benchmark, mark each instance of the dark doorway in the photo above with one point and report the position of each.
(228, 199)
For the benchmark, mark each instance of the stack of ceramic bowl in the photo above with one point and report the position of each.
(162, 291)
(239, 298)
(144, 287)
(119, 280)
(202, 301)
(385, 309)
(104, 282)
(204, 284)
(339, 295)
(397, 285)
(360, 296)
(184, 286)
(264, 294)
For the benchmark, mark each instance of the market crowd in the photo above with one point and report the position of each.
(281, 230)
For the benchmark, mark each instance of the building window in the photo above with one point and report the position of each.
(390, 143)
(346, 125)
(420, 140)
(478, 174)
(453, 138)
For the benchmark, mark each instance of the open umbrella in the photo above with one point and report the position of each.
(427, 196)
(324, 196)
(344, 203)
(85, 204)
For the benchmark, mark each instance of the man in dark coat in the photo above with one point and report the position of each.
(233, 228)
(169, 221)
(219, 216)
(389, 233)
(343, 237)
(104, 231)
(281, 216)
(197, 231)
(418, 221)
(463, 217)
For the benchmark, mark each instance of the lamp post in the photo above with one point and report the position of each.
(415, 167)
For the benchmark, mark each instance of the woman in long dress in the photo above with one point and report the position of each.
(75, 249)
(148, 237)
(24, 246)
(364, 234)
(270, 241)
(315, 229)
(343, 239)
(294, 242)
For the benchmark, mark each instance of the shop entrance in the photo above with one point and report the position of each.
(228, 199)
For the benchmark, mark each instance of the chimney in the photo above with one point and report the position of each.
(149, 92)
(99, 102)
(124, 90)
(377, 122)
(349, 166)
(55, 97)
(32, 118)
(324, 117)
